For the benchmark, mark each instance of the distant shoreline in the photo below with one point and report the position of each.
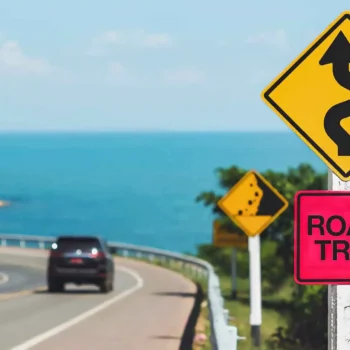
(140, 132)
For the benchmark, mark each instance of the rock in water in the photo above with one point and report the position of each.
(4, 203)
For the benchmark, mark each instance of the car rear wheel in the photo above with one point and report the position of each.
(55, 286)
(111, 287)
(106, 286)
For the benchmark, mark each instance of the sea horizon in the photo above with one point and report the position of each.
(94, 132)
(137, 188)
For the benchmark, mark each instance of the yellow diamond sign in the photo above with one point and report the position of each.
(253, 204)
(312, 96)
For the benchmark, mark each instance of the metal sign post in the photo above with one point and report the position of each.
(234, 273)
(255, 289)
(338, 295)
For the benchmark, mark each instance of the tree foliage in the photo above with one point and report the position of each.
(307, 328)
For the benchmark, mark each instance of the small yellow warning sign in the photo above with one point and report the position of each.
(253, 204)
(222, 238)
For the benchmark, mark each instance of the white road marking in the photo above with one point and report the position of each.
(4, 278)
(72, 322)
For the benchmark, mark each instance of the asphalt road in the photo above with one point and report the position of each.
(148, 309)
(17, 276)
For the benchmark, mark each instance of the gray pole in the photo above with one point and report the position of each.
(338, 295)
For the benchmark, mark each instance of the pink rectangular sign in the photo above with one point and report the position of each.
(322, 237)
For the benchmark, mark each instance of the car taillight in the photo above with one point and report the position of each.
(97, 255)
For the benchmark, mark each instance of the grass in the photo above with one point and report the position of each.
(274, 308)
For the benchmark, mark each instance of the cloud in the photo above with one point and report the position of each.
(184, 76)
(117, 69)
(118, 74)
(110, 37)
(12, 57)
(132, 39)
(276, 38)
(13, 60)
(156, 40)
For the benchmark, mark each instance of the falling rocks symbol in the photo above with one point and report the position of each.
(338, 54)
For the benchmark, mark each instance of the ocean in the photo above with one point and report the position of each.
(137, 188)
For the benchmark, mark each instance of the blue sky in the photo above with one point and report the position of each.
(149, 65)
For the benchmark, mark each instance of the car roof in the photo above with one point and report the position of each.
(76, 237)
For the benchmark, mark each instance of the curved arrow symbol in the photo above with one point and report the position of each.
(338, 54)
(334, 130)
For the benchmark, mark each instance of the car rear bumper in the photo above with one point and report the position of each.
(77, 275)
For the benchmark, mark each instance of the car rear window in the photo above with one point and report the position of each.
(72, 244)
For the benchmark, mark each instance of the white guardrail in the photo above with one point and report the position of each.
(222, 337)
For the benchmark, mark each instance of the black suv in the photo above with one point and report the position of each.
(80, 260)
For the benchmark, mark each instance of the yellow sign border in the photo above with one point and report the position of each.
(265, 95)
(273, 218)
